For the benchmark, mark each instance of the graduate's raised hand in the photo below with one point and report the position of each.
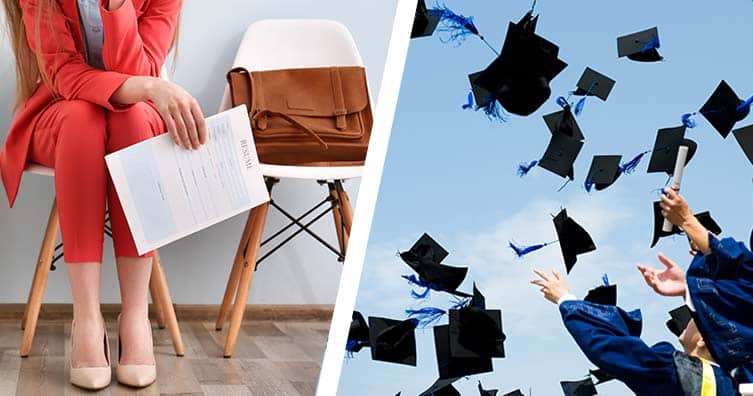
(675, 208)
(670, 282)
(554, 287)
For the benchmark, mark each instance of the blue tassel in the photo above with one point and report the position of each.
(524, 168)
(688, 121)
(562, 102)
(493, 110)
(654, 43)
(460, 302)
(605, 279)
(588, 184)
(426, 315)
(469, 105)
(413, 280)
(522, 251)
(745, 105)
(631, 165)
(458, 26)
(579, 106)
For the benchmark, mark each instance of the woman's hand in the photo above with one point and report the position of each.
(670, 282)
(180, 111)
(674, 208)
(553, 288)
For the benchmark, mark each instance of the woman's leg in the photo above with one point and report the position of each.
(70, 136)
(126, 128)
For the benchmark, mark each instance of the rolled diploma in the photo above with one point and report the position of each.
(682, 155)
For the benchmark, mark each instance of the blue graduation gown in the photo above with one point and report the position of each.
(720, 285)
(610, 339)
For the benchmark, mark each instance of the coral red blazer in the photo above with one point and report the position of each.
(137, 37)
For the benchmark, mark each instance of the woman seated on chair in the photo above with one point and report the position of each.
(88, 84)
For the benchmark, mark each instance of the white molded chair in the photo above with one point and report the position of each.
(284, 44)
(161, 300)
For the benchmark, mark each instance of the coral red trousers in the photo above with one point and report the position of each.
(73, 136)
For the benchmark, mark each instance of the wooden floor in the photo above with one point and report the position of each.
(271, 358)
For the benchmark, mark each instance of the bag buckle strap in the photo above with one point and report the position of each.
(339, 98)
(261, 118)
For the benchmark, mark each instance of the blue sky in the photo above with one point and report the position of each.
(451, 173)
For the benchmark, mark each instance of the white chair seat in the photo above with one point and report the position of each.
(39, 169)
(311, 172)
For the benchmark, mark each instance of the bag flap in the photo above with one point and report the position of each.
(314, 92)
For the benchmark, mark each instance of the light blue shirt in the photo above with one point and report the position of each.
(91, 25)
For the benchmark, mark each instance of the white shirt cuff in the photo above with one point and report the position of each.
(688, 300)
(566, 297)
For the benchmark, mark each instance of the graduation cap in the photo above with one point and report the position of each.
(456, 367)
(680, 317)
(605, 170)
(358, 336)
(704, 218)
(724, 108)
(393, 341)
(666, 147)
(425, 22)
(481, 99)
(476, 332)
(425, 257)
(605, 294)
(563, 123)
(442, 387)
(573, 240)
(744, 137)
(519, 77)
(641, 46)
(583, 387)
(485, 392)
(592, 83)
(560, 155)
(601, 376)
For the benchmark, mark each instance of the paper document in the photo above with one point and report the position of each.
(168, 192)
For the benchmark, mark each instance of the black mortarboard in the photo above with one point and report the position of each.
(516, 392)
(359, 332)
(426, 21)
(583, 387)
(601, 376)
(641, 46)
(563, 122)
(605, 295)
(485, 392)
(476, 332)
(519, 78)
(393, 341)
(573, 239)
(605, 169)
(680, 318)
(425, 257)
(442, 387)
(721, 110)
(704, 218)
(593, 83)
(744, 137)
(666, 146)
(560, 155)
(452, 367)
(480, 95)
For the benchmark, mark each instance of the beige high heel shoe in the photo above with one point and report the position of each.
(135, 375)
(92, 378)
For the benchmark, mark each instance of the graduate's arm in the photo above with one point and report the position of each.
(609, 337)
(675, 209)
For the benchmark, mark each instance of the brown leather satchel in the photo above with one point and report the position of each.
(312, 116)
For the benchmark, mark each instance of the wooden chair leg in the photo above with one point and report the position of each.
(36, 294)
(342, 239)
(258, 216)
(166, 303)
(156, 303)
(347, 209)
(235, 274)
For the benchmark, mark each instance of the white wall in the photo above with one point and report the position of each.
(197, 267)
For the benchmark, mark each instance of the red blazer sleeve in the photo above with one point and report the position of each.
(71, 77)
(138, 46)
